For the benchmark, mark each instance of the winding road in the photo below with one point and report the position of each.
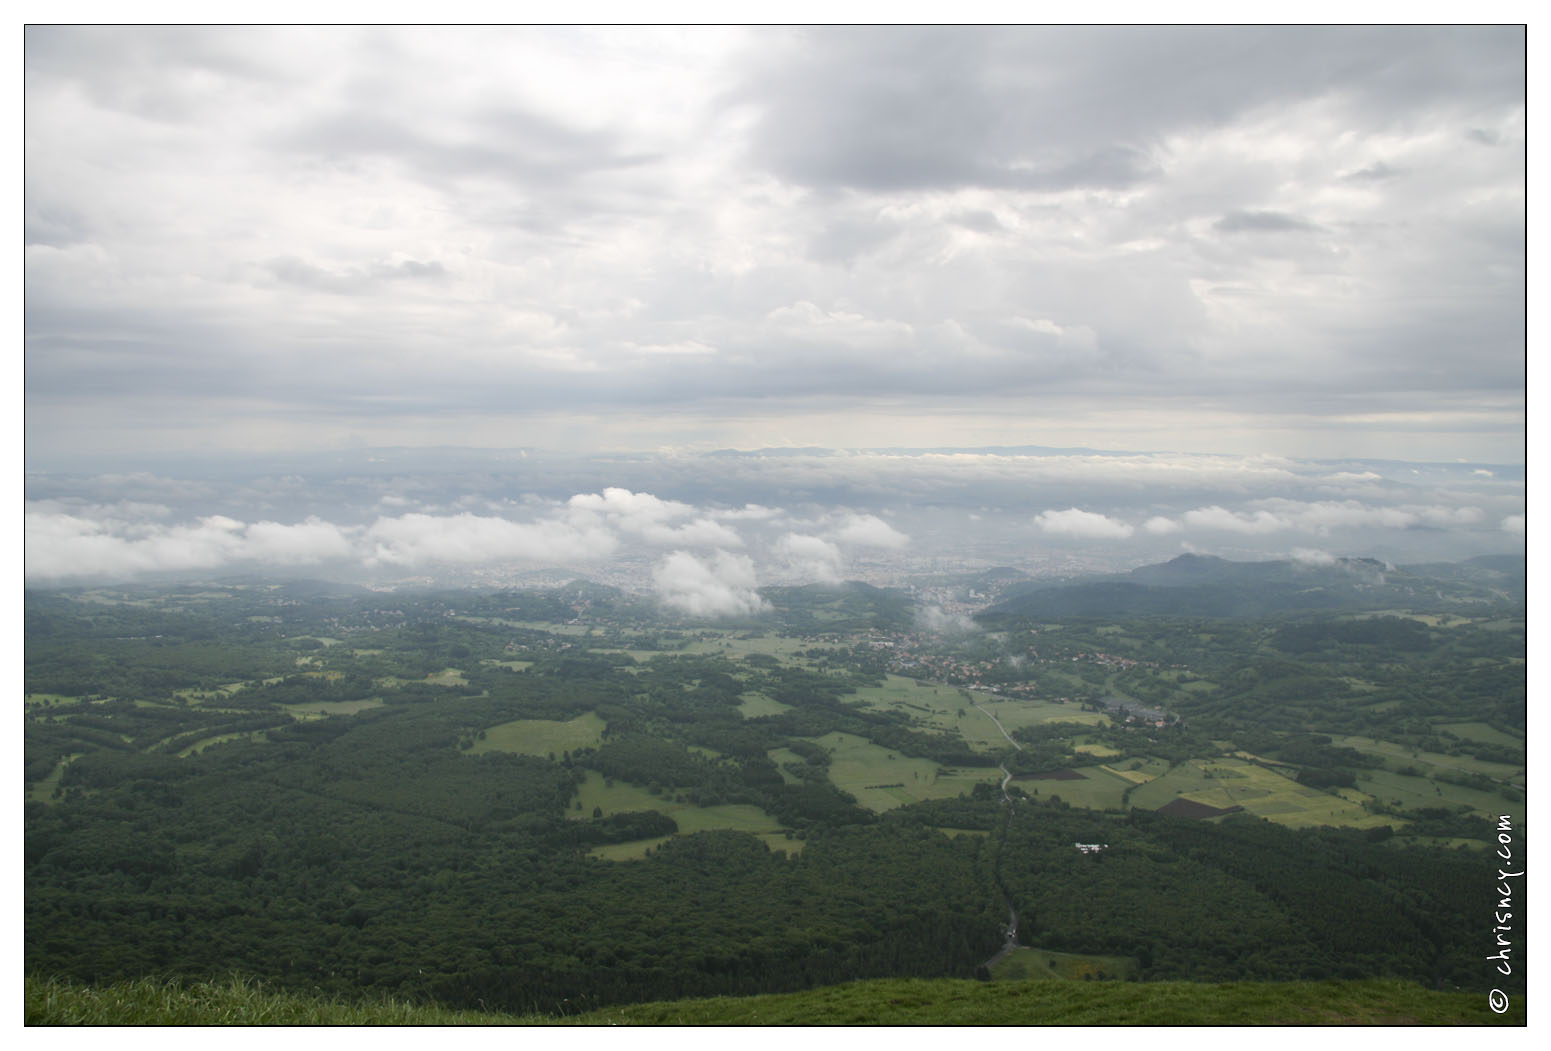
(1011, 941)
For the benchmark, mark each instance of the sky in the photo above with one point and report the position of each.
(1229, 263)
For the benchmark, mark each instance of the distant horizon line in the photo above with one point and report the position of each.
(521, 452)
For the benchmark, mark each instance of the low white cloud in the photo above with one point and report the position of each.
(649, 518)
(1086, 525)
(749, 512)
(722, 586)
(869, 531)
(467, 538)
(1313, 557)
(61, 546)
(702, 532)
(810, 557)
(305, 543)
(1514, 524)
(628, 507)
(940, 622)
(1158, 525)
(1321, 516)
(1215, 517)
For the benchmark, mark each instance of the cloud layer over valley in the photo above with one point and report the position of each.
(704, 546)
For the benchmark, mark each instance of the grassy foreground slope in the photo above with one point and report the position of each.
(879, 1002)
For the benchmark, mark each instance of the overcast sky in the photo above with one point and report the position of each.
(1252, 267)
(1283, 241)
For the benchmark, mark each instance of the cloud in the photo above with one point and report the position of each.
(1222, 519)
(938, 621)
(306, 543)
(811, 557)
(420, 539)
(630, 508)
(1082, 524)
(293, 238)
(1312, 557)
(862, 530)
(749, 512)
(1514, 524)
(1262, 222)
(722, 586)
(647, 516)
(61, 546)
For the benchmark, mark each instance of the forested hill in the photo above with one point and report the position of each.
(1205, 586)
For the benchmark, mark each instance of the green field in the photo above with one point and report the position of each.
(208, 742)
(882, 780)
(737, 646)
(951, 709)
(542, 737)
(43, 791)
(780, 757)
(1412, 793)
(622, 797)
(1099, 789)
(754, 705)
(50, 700)
(1028, 964)
(1226, 783)
(1399, 755)
(318, 709)
(874, 1002)
(1015, 714)
(1483, 733)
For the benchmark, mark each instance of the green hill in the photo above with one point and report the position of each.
(880, 1002)
(1205, 586)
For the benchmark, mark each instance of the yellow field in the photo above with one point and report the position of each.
(1139, 776)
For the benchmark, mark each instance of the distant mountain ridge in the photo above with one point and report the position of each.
(1207, 586)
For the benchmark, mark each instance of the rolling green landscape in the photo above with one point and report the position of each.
(554, 804)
